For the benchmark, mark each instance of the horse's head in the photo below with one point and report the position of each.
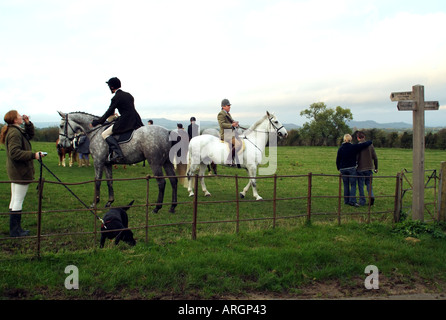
(68, 128)
(276, 125)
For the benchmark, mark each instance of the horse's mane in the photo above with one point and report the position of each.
(84, 113)
(253, 127)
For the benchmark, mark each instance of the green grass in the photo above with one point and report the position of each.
(220, 262)
(277, 261)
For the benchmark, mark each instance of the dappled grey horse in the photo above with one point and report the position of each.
(148, 142)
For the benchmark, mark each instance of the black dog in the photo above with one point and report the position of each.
(115, 219)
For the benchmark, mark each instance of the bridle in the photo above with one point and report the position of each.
(67, 124)
(271, 124)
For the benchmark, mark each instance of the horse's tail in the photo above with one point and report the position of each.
(188, 159)
(128, 206)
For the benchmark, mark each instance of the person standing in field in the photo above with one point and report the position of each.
(367, 164)
(193, 129)
(346, 165)
(19, 165)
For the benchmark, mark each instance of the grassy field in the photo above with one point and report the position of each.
(259, 259)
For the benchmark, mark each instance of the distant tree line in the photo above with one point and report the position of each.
(381, 139)
(326, 127)
(50, 134)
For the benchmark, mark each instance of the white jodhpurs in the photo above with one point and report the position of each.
(18, 193)
(107, 133)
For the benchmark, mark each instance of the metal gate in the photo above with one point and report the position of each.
(431, 181)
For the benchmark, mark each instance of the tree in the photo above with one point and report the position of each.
(326, 125)
(407, 140)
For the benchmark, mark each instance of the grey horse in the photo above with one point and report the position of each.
(148, 142)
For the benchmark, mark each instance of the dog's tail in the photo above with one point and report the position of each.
(129, 205)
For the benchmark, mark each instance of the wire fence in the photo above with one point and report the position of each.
(316, 201)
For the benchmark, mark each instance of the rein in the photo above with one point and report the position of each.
(67, 124)
(43, 165)
(271, 123)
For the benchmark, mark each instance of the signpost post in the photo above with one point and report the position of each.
(414, 100)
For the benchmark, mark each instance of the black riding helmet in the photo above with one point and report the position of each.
(114, 83)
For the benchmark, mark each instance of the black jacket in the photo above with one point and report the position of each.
(346, 157)
(129, 118)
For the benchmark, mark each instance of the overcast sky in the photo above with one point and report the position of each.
(181, 58)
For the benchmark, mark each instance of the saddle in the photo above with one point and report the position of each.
(124, 137)
(229, 146)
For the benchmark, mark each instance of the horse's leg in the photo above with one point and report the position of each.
(98, 176)
(170, 171)
(203, 185)
(111, 193)
(190, 178)
(252, 182)
(158, 172)
(70, 159)
(63, 160)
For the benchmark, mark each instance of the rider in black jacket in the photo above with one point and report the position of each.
(129, 118)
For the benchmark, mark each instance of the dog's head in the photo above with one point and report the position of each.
(127, 236)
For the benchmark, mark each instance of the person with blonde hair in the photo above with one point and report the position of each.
(19, 165)
(346, 165)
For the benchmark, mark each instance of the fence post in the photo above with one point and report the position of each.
(39, 216)
(237, 205)
(441, 215)
(275, 200)
(339, 198)
(194, 219)
(397, 205)
(310, 181)
(147, 208)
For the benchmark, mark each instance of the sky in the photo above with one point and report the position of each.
(181, 58)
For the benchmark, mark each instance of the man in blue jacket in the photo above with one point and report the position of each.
(346, 164)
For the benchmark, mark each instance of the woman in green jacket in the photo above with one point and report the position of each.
(19, 165)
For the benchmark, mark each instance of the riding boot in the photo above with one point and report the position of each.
(15, 229)
(235, 160)
(118, 156)
(230, 160)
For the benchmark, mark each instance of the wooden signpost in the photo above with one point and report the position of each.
(414, 101)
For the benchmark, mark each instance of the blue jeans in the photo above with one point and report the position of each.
(365, 177)
(349, 179)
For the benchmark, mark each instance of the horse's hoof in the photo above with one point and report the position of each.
(242, 195)
(155, 210)
(207, 194)
(171, 210)
(108, 204)
(191, 194)
(259, 198)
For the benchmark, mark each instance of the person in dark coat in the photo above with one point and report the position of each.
(19, 165)
(82, 146)
(346, 164)
(193, 129)
(129, 118)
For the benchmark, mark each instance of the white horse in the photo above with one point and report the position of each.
(205, 149)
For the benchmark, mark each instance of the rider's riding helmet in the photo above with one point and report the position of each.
(114, 83)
